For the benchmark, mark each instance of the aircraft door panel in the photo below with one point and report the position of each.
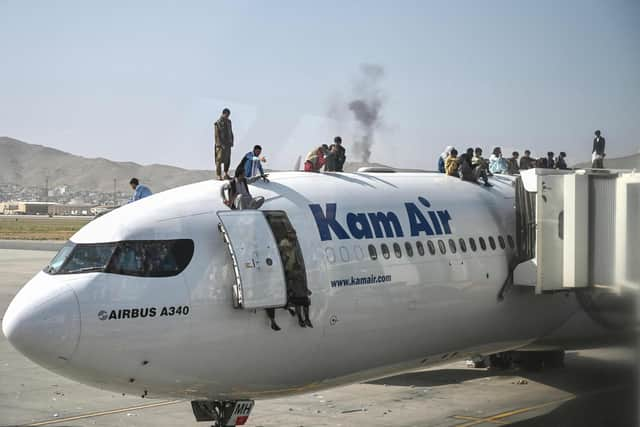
(260, 280)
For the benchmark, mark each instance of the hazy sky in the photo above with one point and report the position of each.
(144, 81)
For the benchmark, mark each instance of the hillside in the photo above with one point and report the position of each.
(29, 164)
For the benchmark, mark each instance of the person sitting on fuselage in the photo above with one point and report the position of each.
(238, 190)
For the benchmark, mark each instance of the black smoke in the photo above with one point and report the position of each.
(366, 108)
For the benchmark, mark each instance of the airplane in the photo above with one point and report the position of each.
(169, 296)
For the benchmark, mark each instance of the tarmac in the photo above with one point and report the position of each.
(596, 388)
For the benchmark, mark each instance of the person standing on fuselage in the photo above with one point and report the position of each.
(597, 152)
(223, 134)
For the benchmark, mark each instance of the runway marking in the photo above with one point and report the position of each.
(496, 419)
(102, 413)
(465, 417)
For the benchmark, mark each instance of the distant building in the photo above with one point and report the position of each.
(71, 210)
(26, 208)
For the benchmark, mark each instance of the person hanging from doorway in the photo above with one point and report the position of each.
(235, 193)
(297, 290)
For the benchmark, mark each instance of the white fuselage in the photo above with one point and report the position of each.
(417, 310)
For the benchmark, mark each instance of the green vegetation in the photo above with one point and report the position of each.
(39, 228)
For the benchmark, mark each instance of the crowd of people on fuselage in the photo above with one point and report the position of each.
(472, 166)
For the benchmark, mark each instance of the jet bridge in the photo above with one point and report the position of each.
(578, 229)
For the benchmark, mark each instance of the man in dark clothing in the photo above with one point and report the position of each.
(340, 154)
(561, 162)
(597, 153)
(551, 164)
(513, 163)
(525, 161)
(223, 143)
(331, 159)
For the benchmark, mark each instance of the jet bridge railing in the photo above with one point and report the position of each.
(578, 229)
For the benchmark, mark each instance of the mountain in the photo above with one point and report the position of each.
(627, 162)
(28, 165)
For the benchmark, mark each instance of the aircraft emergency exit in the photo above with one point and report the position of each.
(167, 296)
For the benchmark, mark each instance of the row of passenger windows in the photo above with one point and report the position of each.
(451, 245)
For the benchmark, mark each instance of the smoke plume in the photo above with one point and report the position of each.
(366, 107)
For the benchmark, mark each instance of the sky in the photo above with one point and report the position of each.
(144, 81)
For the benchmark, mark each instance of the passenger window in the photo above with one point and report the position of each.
(452, 246)
(483, 244)
(442, 246)
(420, 248)
(331, 255)
(373, 253)
(463, 245)
(408, 249)
(432, 247)
(359, 253)
(472, 244)
(492, 242)
(397, 250)
(344, 254)
(511, 242)
(385, 251)
(501, 242)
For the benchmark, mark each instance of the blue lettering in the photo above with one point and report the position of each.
(359, 226)
(436, 223)
(387, 220)
(444, 219)
(327, 222)
(417, 221)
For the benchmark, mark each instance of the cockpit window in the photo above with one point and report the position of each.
(148, 258)
(151, 258)
(60, 258)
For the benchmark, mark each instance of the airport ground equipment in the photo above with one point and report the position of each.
(578, 229)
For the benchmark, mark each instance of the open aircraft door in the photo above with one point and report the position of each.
(260, 280)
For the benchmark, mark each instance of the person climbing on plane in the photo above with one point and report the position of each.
(237, 189)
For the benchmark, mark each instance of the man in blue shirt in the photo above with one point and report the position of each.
(139, 191)
(252, 159)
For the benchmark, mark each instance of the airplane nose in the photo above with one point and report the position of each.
(43, 321)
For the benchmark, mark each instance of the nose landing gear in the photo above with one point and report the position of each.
(222, 412)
